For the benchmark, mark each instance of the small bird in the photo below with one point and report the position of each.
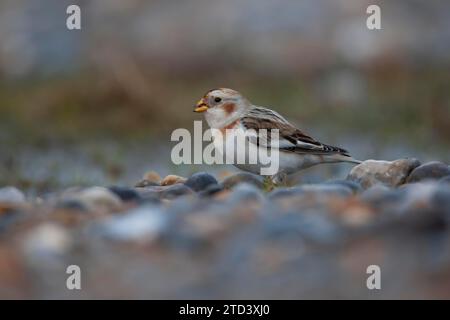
(228, 109)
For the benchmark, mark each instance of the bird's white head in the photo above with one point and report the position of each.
(222, 106)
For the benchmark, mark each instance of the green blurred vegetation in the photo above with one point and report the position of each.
(97, 128)
(398, 104)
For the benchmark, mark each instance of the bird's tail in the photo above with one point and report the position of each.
(351, 160)
(345, 158)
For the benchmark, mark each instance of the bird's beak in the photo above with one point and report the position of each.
(201, 106)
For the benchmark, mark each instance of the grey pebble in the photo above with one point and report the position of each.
(11, 195)
(389, 173)
(200, 181)
(125, 194)
(143, 223)
(429, 171)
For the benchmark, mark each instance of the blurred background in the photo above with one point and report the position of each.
(97, 105)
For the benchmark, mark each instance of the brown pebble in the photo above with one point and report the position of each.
(172, 179)
(152, 176)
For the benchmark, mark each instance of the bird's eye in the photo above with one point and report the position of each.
(217, 99)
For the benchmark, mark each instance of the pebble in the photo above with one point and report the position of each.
(318, 190)
(172, 179)
(389, 173)
(175, 191)
(164, 192)
(245, 192)
(46, 240)
(152, 177)
(211, 190)
(280, 193)
(149, 179)
(354, 186)
(144, 223)
(311, 226)
(413, 203)
(420, 195)
(96, 199)
(242, 177)
(193, 231)
(233, 236)
(73, 205)
(441, 200)
(421, 204)
(9, 218)
(327, 190)
(11, 195)
(384, 199)
(145, 183)
(429, 171)
(445, 180)
(200, 181)
(125, 194)
(376, 193)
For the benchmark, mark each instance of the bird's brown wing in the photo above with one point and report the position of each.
(290, 139)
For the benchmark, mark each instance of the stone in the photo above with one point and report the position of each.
(73, 205)
(95, 199)
(9, 218)
(382, 197)
(375, 192)
(175, 191)
(389, 173)
(354, 186)
(11, 195)
(416, 204)
(125, 194)
(211, 190)
(200, 181)
(150, 194)
(242, 177)
(441, 200)
(172, 179)
(146, 183)
(152, 177)
(46, 240)
(150, 189)
(245, 192)
(420, 193)
(143, 223)
(313, 226)
(280, 193)
(445, 180)
(420, 203)
(194, 232)
(164, 192)
(324, 189)
(429, 171)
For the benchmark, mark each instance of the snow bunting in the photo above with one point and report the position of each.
(227, 109)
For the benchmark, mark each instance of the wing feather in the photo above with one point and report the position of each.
(291, 138)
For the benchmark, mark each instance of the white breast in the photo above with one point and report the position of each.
(233, 152)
